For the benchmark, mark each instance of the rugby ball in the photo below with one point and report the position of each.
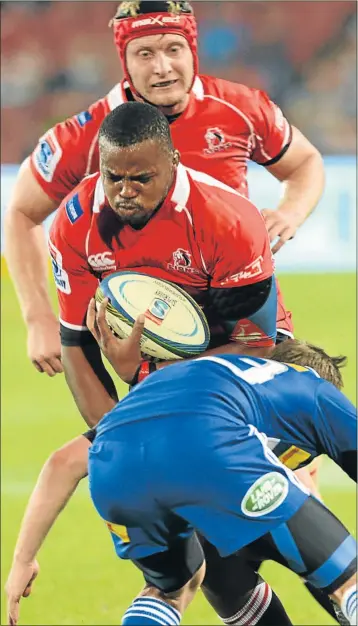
(175, 326)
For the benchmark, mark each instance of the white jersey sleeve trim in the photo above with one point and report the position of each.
(73, 326)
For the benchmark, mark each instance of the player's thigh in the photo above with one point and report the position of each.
(225, 576)
(172, 568)
(314, 544)
(240, 492)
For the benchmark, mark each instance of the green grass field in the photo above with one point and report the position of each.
(81, 580)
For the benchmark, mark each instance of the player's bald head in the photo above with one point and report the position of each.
(133, 123)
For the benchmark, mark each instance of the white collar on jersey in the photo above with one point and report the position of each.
(180, 194)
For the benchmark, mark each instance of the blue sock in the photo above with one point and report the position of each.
(349, 605)
(147, 611)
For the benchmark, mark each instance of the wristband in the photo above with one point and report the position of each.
(145, 368)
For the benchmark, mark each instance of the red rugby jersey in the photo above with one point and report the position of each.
(204, 235)
(224, 125)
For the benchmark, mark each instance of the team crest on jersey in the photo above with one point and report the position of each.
(182, 262)
(46, 156)
(215, 139)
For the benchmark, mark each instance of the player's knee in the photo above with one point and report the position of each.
(165, 605)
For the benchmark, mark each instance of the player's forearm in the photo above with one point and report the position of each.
(91, 385)
(27, 259)
(56, 483)
(303, 187)
(25, 246)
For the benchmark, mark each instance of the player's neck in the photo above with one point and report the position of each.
(170, 111)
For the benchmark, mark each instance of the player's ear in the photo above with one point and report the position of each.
(176, 158)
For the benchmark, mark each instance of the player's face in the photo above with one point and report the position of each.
(161, 68)
(137, 179)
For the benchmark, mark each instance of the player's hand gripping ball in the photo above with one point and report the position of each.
(175, 326)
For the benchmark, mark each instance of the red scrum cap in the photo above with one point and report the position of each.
(140, 18)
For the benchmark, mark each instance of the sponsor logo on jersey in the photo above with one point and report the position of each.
(215, 139)
(102, 261)
(157, 311)
(83, 118)
(47, 155)
(74, 209)
(159, 20)
(59, 274)
(265, 495)
(250, 271)
(182, 262)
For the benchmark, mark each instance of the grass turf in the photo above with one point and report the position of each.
(81, 580)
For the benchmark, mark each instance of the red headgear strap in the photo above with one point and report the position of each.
(129, 28)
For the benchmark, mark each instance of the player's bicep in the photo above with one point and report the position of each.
(28, 197)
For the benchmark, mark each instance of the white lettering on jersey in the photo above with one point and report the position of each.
(250, 271)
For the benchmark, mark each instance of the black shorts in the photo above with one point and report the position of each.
(172, 569)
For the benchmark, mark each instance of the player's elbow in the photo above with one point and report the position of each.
(71, 460)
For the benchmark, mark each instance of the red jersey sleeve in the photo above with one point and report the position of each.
(75, 283)
(236, 242)
(65, 153)
(272, 131)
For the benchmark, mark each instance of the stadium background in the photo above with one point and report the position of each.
(57, 58)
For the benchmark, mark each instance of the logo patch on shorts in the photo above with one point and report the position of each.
(265, 495)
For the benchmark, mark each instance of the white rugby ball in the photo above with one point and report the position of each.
(175, 326)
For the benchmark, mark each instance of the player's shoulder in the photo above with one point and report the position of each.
(214, 200)
(234, 93)
(91, 118)
(76, 209)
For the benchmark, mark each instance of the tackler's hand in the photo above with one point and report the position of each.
(123, 354)
(19, 585)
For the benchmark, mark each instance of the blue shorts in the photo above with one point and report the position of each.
(154, 480)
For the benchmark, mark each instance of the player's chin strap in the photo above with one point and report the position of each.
(126, 29)
(145, 368)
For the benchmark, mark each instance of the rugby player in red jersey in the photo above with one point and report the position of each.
(216, 125)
